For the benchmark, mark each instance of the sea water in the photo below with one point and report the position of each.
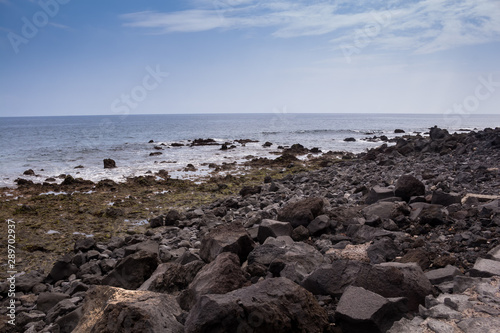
(56, 145)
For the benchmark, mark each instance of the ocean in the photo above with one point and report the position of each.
(56, 145)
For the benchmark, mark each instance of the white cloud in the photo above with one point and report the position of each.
(423, 26)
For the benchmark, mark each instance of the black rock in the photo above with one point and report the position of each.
(408, 186)
(109, 163)
(29, 172)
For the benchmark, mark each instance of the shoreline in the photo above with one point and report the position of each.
(455, 221)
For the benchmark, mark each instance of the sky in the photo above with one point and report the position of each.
(75, 57)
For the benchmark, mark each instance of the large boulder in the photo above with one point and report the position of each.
(273, 305)
(108, 310)
(408, 186)
(302, 212)
(226, 238)
(362, 311)
(221, 276)
(133, 270)
(393, 279)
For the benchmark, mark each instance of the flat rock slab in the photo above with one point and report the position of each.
(438, 276)
(485, 268)
(480, 325)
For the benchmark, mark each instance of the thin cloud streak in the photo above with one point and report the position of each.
(425, 26)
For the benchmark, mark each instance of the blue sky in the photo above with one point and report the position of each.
(75, 57)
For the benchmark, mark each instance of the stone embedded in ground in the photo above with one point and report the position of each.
(108, 310)
(271, 228)
(408, 186)
(362, 311)
(222, 275)
(485, 268)
(440, 275)
(378, 193)
(301, 212)
(132, 271)
(273, 305)
(109, 163)
(226, 238)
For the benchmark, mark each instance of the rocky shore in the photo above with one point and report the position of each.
(402, 238)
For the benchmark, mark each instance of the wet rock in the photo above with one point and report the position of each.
(132, 271)
(408, 186)
(350, 139)
(363, 311)
(272, 228)
(109, 163)
(221, 276)
(107, 309)
(226, 238)
(272, 305)
(267, 144)
(302, 212)
(29, 172)
(436, 133)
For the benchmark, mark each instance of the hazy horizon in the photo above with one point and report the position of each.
(63, 57)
